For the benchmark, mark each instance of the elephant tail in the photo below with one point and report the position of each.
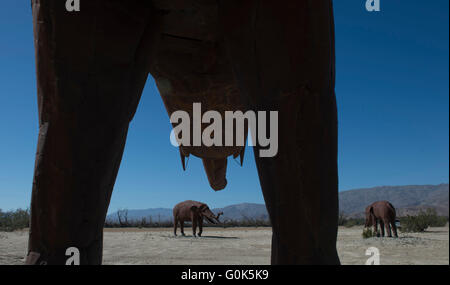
(392, 206)
(393, 209)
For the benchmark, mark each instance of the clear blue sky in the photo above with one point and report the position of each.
(392, 90)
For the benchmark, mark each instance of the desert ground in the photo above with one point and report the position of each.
(234, 246)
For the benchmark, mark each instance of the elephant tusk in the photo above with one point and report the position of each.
(183, 159)
(217, 217)
(241, 155)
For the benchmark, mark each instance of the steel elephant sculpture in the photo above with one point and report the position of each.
(259, 55)
(194, 212)
(381, 212)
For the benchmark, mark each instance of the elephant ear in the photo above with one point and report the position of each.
(203, 207)
(194, 208)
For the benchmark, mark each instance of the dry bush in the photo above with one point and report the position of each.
(14, 220)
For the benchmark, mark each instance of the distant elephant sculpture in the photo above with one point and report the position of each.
(194, 212)
(228, 55)
(384, 213)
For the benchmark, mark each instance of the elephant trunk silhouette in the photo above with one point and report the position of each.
(216, 170)
(214, 157)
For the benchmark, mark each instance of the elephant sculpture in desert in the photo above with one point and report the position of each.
(228, 55)
(384, 213)
(194, 212)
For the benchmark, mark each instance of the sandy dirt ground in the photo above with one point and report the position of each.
(234, 246)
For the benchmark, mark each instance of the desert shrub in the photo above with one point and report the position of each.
(368, 233)
(341, 219)
(422, 221)
(413, 224)
(14, 220)
(440, 221)
(434, 220)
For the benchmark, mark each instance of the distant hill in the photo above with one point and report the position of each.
(406, 199)
(243, 211)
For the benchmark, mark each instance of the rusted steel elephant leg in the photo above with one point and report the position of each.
(394, 229)
(388, 228)
(194, 226)
(175, 225)
(200, 226)
(283, 57)
(382, 227)
(182, 227)
(91, 69)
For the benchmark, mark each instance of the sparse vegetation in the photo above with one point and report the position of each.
(14, 220)
(422, 221)
(138, 223)
(149, 223)
(247, 222)
(123, 221)
(349, 222)
(20, 219)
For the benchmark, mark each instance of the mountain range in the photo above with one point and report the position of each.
(408, 200)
